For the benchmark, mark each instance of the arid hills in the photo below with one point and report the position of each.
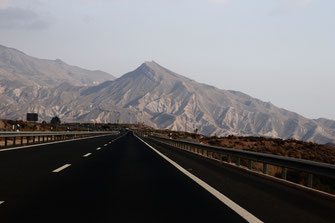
(151, 94)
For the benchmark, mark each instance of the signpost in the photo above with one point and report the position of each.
(32, 117)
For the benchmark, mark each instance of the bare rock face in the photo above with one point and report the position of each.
(164, 99)
(150, 94)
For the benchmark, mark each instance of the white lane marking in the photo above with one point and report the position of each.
(61, 168)
(109, 142)
(98, 148)
(49, 143)
(231, 204)
(105, 145)
(87, 154)
(1, 202)
(118, 138)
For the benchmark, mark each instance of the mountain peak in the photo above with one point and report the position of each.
(154, 71)
(31, 70)
(9, 49)
(151, 64)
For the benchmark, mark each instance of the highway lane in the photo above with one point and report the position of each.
(25, 169)
(97, 180)
(269, 201)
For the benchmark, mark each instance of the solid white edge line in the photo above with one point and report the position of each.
(231, 204)
(87, 154)
(49, 143)
(1, 202)
(61, 168)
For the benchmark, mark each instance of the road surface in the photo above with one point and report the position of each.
(120, 179)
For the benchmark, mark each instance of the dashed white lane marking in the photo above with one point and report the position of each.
(105, 145)
(109, 142)
(1, 202)
(98, 148)
(231, 204)
(61, 168)
(87, 154)
(118, 137)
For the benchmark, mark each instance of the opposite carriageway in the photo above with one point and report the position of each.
(12, 139)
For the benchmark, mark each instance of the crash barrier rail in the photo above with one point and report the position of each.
(12, 139)
(226, 154)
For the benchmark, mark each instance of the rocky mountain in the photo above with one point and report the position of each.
(15, 66)
(162, 99)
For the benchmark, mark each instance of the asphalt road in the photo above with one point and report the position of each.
(101, 180)
(267, 200)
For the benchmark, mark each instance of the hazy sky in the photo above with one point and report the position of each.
(282, 51)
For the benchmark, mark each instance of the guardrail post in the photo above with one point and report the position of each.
(265, 168)
(238, 161)
(250, 164)
(38, 139)
(6, 141)
(21, 140)
(284, 173)
(228, 159)
(33, 139)
(14, 141)
(27, 137)
(310, 180)
(43, 137)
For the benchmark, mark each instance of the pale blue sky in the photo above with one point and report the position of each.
(281, 51)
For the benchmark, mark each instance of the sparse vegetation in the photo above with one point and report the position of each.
(55, 121)
(289, 148)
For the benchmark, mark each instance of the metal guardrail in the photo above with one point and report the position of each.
(309, 167)
(12, 139)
